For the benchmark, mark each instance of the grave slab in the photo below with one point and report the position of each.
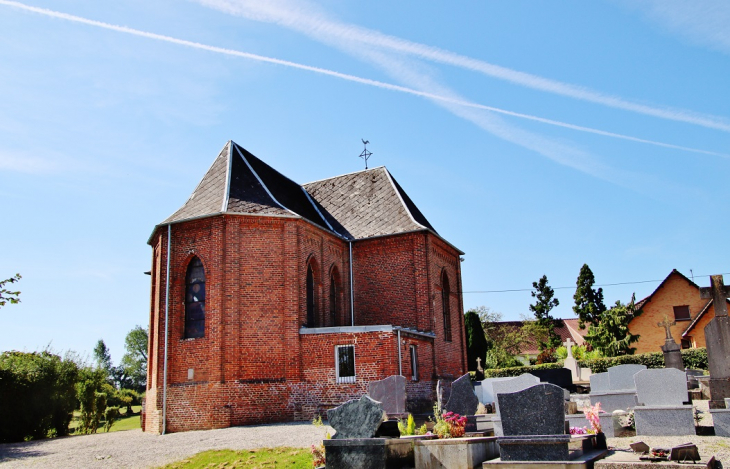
(391, 392)
(357, 418)
(626, 460)
(455, 453)
(580, 420)
(463, 401)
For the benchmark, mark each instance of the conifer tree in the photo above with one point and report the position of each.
(588, 302)
(476, 340)
(546, 301)
(611, 336)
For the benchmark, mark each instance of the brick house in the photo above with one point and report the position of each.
(280, 300)
(678, 298)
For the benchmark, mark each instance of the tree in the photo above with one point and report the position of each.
(103, 358)
(545, 302)
(502, 343)
(611, 335)
(476, 341)
(7, 295)
(134, 361)
(588, 302)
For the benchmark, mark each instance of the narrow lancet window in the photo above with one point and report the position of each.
(445, 303)
(195, 299)
(311, 314)
(333, 300)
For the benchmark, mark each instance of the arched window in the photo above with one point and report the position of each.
(195, 299)
(445, 294)
(311, 313)
(334, 304)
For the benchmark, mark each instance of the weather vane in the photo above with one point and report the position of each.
(365, 153)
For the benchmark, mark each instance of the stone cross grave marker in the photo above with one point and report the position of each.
(479, 365)
(570, 361)
(667, 325)
(719, 292)
(568, 346)
(717, 337)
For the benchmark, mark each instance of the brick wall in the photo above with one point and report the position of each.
(252, 365)
(675, 291)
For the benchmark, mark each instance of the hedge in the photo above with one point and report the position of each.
(516, 370)
(694, 358)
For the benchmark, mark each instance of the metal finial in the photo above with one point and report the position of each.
(365, 153)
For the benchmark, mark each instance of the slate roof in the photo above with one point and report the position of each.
(353, 206)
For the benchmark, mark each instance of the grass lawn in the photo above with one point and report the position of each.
(124, 423)
(261, 458)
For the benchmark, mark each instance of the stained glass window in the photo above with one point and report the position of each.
(195, 299)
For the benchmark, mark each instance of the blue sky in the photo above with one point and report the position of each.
(535, 136)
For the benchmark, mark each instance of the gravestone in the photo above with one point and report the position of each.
(671, 349)
(692, 382)
(615, 389)
(622, 376)
(357, 418)
(391, 392)
(443, 392)
(518, 383)
(661, 411)
(570, 362)
(559, 377)
(533, 423)
(462, 401)
(485, 390)
(717, 339)
(599, 382)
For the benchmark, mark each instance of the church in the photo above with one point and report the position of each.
(274, 301)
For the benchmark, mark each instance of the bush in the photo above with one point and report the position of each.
(518, 370)
(37, 395)
(693, 358)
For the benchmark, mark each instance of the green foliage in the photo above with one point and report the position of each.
(264, 457)
(37, 395)
(7, 295)
(103, 358)
(317, 421)
(588, 302)
(476, 340)
(91, 399)
(502, 345)
(580, 352)
(611, 336)
(134, 360)
(518, 370)
(111, 415)
(693, 358)
(545, 302)
(408, 427)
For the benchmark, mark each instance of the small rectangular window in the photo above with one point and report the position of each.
(345, 363)
(681, 313)
(414, 363)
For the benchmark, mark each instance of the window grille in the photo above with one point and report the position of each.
(345, 363)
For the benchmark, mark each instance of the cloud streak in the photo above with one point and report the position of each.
(315, 24)
(448, 98)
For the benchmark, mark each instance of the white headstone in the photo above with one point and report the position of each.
(570, 362)
(519, 383)
(661, 387)
(621, 377)
(599, 382)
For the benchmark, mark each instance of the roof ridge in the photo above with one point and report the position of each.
(346, 174)
(400, 197)
(227, 189)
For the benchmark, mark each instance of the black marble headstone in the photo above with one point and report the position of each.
(559, 377)
(537, 410)
(358, 418)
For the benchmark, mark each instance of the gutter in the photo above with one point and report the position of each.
(167, 309)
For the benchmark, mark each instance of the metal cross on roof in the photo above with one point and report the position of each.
(719, 292)
(365, 153)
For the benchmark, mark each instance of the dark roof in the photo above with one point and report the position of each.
(367, 203)
(354, 206)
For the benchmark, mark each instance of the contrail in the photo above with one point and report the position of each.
(343, 76)
(294, 17)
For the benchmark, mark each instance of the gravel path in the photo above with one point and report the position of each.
(135, 449)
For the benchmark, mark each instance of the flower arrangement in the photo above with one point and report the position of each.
(592, 414)
(318, 455)
(578, 431)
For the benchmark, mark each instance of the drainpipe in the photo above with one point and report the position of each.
(352, 292)
(167, 306)
(400, 360)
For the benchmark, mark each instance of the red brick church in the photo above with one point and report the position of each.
(274, 301)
